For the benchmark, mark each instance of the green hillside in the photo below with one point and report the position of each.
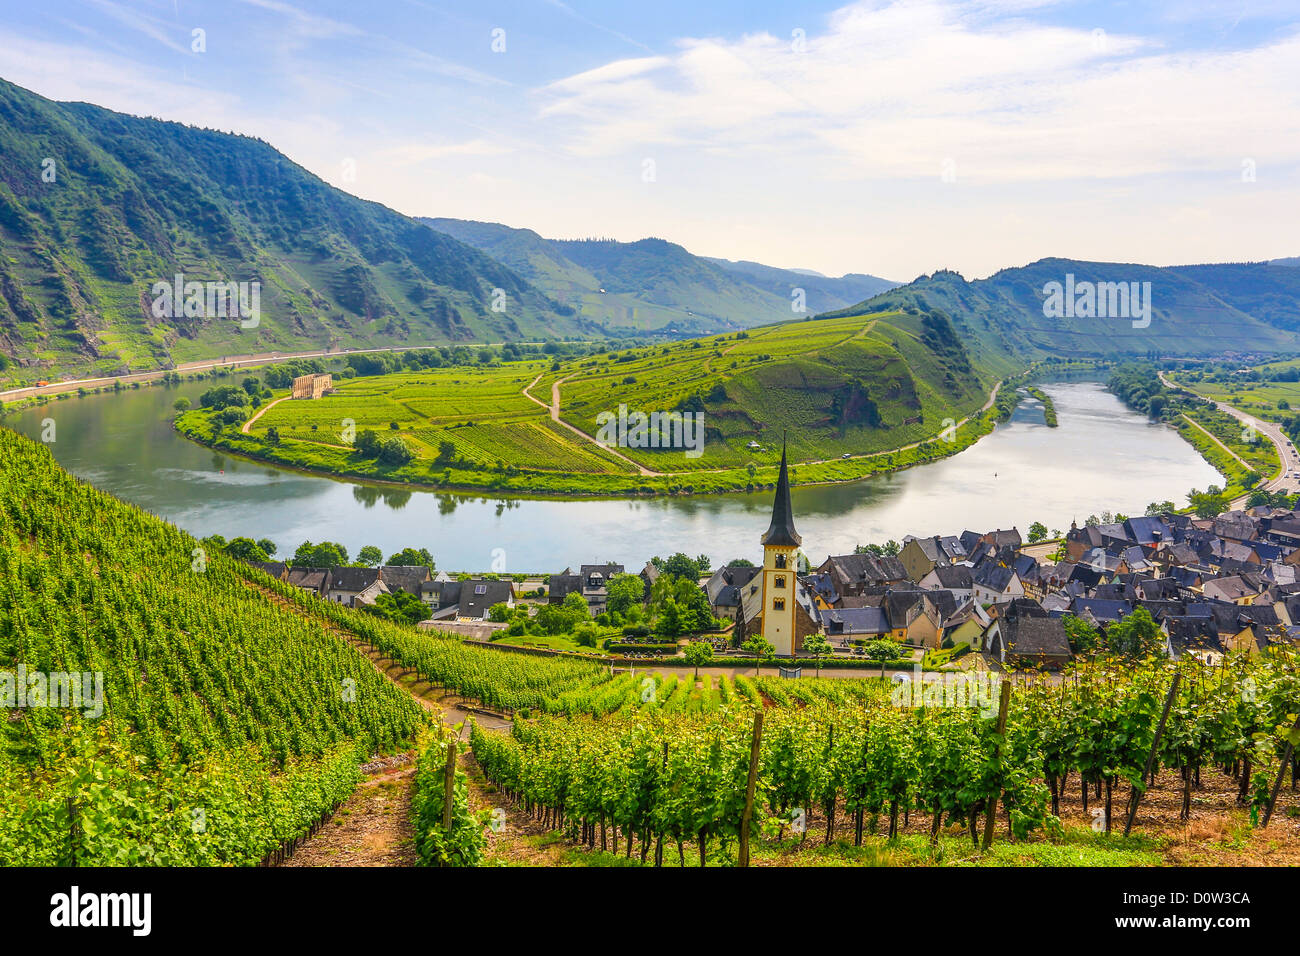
(861, 387)
(224, 723)
(653, 284)
(124, 202)
(1195, 310)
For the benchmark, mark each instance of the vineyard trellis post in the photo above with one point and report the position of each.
(750, 785)
(449, 791)
(1281, 772)
(991, 815)
(1135, 797)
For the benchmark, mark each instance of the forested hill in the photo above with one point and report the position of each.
(97, 206)
(653, 284)
(1202, 309)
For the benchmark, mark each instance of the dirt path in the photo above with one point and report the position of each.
(554, 410)
(373, 827)
(1210, 435)
(260, 412)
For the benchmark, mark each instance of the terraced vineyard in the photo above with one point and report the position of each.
(213, 726)
(857, 394)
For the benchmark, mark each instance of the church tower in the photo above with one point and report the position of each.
(780, 546)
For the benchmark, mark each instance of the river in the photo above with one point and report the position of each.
(1102, 457)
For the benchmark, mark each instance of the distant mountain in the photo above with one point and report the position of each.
(1194, 310)
(652, 284)
(824, 293)
(97, 206)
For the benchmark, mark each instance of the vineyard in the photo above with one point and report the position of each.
(223, 726)
(867, 387)
(664, 778)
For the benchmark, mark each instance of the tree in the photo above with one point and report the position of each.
(1136, 637)
(273, 436)
(246, 549)
(327, 554)
(761, 649)
(181, 405)
(1208, 504)
(398, 606)
(267, 545)
(740, 563)
(883, 651)
(499, 612)
(396, 452)
(367, 443)
(623, 592)
(1037, 532)
(411, 558)
(1082, 636)
(681, 566)
(819, 648)
(369, 556)
(698, 653)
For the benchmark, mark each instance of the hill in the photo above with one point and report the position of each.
(856, 394)
(653, 284)
(1194, 310)
(97, 206)
(212, 725)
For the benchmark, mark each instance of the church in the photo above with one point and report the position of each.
(775, 603)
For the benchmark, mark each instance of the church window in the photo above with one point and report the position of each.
(779, 580)
(778, 604)
(780, 560)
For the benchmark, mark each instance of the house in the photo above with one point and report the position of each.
(724, 588)
(276, 569)
(966, 624)
(851, 573)
(1003, 539)
(920, 556)
(441, 593)
(955, 578)
(913, 618)
(347, 584)
(846, 625)
(1028, 640)
(1194, 636)
(1235, 589)
(316, 580)
(477, 595)
(993, 583)
(591, 581)
(408, 578)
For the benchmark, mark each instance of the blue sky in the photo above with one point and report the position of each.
(888, 136)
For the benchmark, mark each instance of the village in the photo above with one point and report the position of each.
(1211, 587)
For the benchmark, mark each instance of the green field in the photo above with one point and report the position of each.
(880, 389)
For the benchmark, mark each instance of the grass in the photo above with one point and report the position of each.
(874, 388)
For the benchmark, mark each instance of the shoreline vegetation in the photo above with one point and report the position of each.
(1049, 407)
(854, 397)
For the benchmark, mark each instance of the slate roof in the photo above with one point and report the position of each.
(845, 622)
(477, 596)
(352, 579)
(954, 576)
(781, 531)
(311, 579)
(1036, 637)
(405, 577)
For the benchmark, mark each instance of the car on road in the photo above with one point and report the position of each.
(846, 455)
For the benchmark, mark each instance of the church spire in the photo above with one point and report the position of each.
(781, 531)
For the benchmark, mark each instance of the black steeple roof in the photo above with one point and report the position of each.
(781, 531)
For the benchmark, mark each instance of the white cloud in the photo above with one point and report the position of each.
(891, 90)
